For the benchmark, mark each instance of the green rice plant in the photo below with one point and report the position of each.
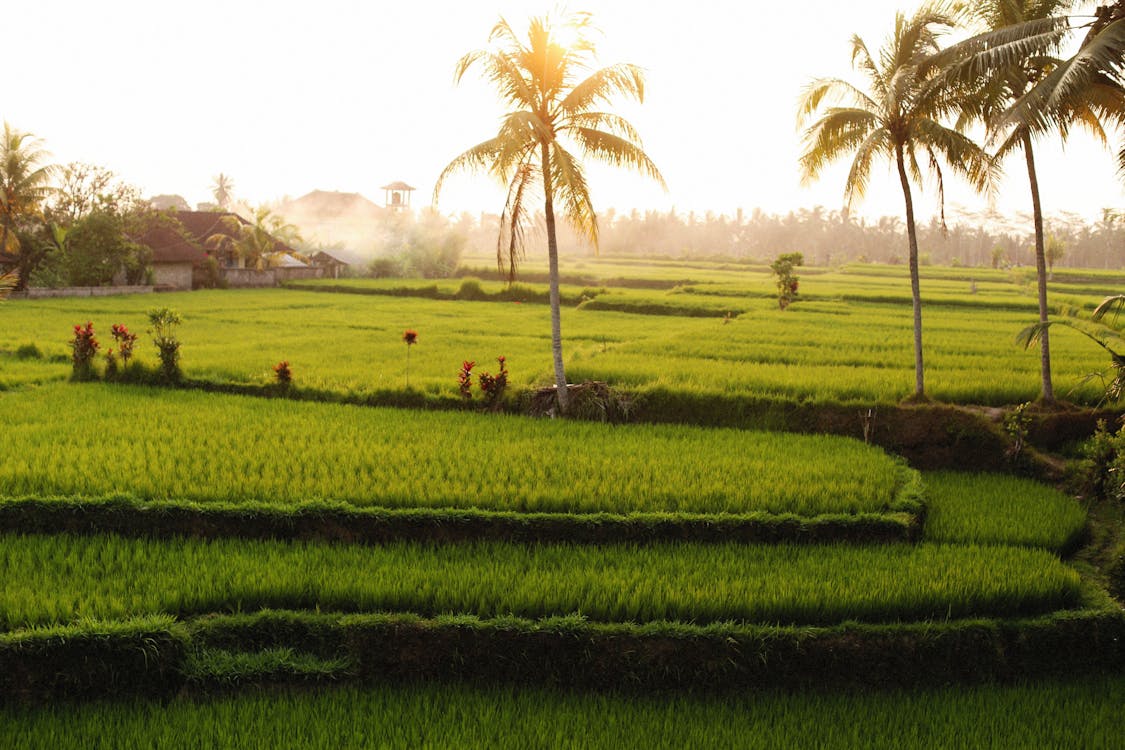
(57, 579)
(1078, 713)
(850, 340)
(1000, 509)
(152, 443)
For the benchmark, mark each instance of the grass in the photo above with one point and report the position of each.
(848, 339)
(94, 440)
(999, 509)
(62, 578)
(1083, 713)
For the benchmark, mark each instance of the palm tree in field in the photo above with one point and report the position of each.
(1007, 83)
(555, 103)
(7, 284)
(222, 187)
(24, 184)
(898, 117)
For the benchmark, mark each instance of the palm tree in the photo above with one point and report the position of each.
(1097, 67)
(7, 284)
(222, 187)
(555, 103)
(24, 184)
(1007, 83)
(254, 242)
(899, 118)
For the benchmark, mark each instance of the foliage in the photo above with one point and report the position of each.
(283, 374)
(465, 379)
(1000, 509)
(787, 281)
(209, 447)
(125, 340)
(1016, 425)
(49, 577)
(1114, 385)
(1100, 471)
(493, 386)
(24, 185)
(257, 243)
(84, 347)
(164, 323)
(553, 100)
(513, 717)
(425, 246)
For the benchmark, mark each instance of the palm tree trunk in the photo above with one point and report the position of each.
(561, 392)
(1048, 394)
(915, 292)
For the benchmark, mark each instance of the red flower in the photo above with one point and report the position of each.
(410, 336)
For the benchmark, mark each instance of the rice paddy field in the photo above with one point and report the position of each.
(994, 552)
(1037, 715)
(847, 340)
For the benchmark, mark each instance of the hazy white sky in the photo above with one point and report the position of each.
(349, 95)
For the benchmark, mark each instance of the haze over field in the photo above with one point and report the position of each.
(348, 95)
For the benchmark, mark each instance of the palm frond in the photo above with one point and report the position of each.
(511, 242)
(8, 282)
(835, 134)
(617, 151)
(1113, 304)
(568, 181)
(602, 86)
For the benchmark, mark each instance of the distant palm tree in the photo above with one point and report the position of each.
(898, 117)
(1007, 83)
(24, 183)
(257, 242)
(555, 104)
(7, 284)
(222, 187)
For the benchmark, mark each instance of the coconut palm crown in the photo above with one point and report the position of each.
(898, 117)
(555, 101)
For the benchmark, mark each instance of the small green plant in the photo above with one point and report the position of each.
(164, 322)
(84, 347)
(1016, 425)
(787, 281)
(1097, 471)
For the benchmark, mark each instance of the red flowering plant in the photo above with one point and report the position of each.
(465, 379)
(125, 341)
(284, 373)
(493, 387)
(83, 349)
(410, 336)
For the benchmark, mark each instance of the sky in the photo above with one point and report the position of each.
(286, 97)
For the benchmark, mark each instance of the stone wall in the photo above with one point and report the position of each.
(81, 291)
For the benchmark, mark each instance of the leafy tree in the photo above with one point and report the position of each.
(898, 117)
(555, 104)
(24, 185)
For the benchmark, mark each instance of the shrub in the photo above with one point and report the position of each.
(125, 342)
(787, 281)
(465, 379)
(83, 348)
(471, 289)
(29, 351)
(164, 322)
(493, 387)
(283, 373)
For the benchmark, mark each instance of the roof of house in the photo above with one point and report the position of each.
(326, 205)
(169, 246)
(327, 259)
(400, 185)
(202, 225)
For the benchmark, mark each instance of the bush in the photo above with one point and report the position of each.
(164, 322)
(84, 347)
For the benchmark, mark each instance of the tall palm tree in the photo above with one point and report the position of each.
(899, 117)
(1056, 99)
(555, 103)
(222, 187)
(24, 183)
(1007, 83)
